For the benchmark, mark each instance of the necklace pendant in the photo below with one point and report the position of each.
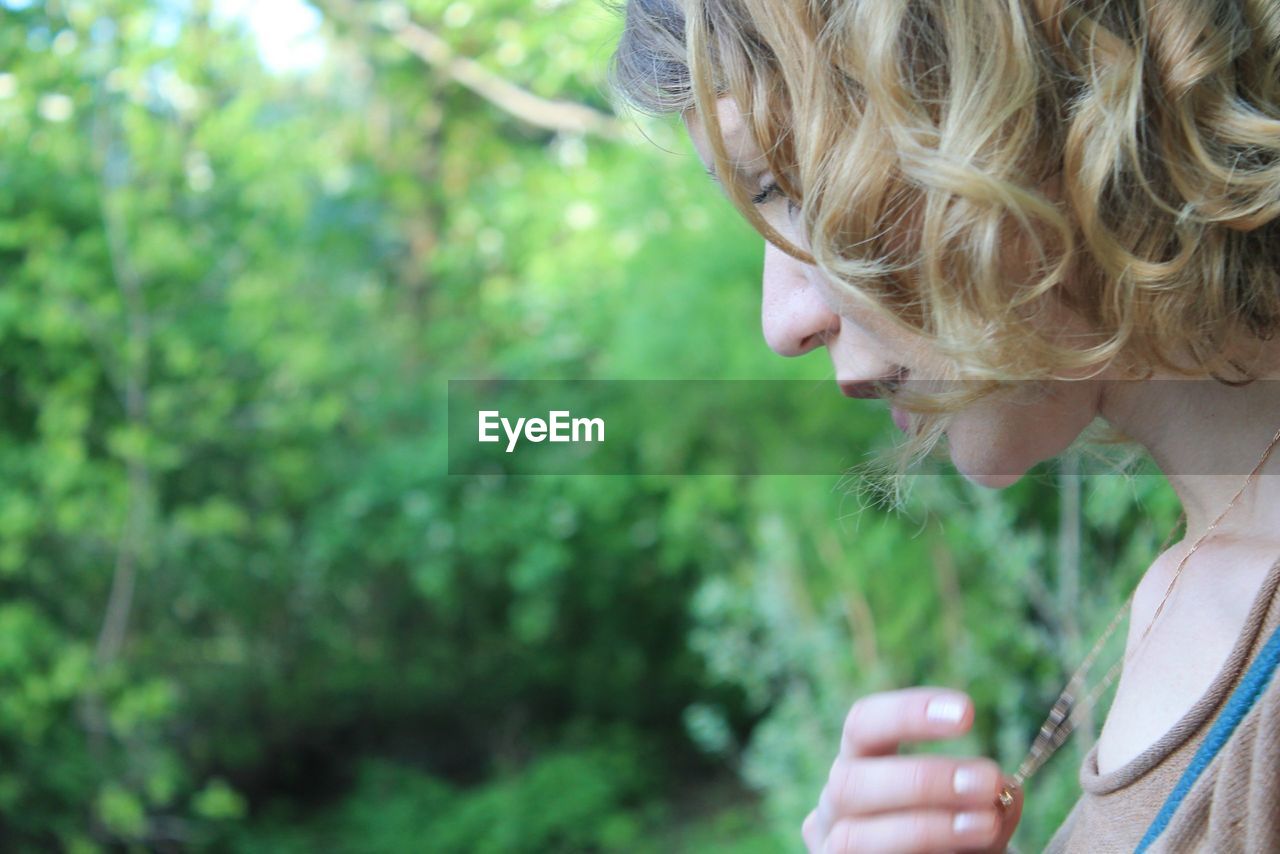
(1005, 798)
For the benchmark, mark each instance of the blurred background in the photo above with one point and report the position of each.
(243, 607)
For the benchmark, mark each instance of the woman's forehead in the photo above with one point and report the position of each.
(740, 144)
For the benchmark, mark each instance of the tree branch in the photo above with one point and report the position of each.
(1069, 536)
(120, 599)
(554, 115)
(857, 610)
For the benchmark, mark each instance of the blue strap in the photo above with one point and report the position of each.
(1238, 705)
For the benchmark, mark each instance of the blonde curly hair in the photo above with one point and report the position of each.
(1133, 146)
(1129, 147)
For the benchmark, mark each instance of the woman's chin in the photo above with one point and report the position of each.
(992, 481)
(986, 474)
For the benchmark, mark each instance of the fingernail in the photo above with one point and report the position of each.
(966, 781)
(972, 822)
(944, 710)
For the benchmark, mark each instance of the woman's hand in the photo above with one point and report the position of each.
(875, 800)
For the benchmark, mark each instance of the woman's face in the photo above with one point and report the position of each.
(992, 442)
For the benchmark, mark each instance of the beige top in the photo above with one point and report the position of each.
(1233, 806)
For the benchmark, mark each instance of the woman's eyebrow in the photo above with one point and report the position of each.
(711, 173)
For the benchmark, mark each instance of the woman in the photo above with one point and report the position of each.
(1014, 218)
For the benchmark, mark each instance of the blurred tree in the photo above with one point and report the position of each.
(242, 603)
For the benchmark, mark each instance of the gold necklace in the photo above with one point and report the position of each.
(1066, 711)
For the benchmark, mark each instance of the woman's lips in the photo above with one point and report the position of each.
(861, 390)
(900, 419)
(884, 387)
(868, 389)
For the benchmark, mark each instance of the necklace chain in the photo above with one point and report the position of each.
(1066, 711)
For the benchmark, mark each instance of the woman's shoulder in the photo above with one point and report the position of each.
(1229, 797)
(1210, 783)
(1218, 791)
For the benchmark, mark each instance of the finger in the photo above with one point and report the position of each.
(811, 833)
(878, 723)
(884, 784)
(915, 832)
(1009, 817)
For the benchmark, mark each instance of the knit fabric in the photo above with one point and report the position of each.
(1233, 804)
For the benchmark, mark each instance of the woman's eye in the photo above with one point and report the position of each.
(770, 192)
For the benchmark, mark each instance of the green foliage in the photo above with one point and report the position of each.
(245, 606)
(826, 614)
(600, 797)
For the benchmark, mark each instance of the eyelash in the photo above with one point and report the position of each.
(768, 193)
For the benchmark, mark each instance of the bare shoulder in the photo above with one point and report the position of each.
(1209, 615)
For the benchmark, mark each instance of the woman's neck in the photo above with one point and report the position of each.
(1207, 437)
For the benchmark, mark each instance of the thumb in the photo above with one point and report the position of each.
(1009, 817)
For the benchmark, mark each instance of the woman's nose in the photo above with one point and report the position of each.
(795, 317)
